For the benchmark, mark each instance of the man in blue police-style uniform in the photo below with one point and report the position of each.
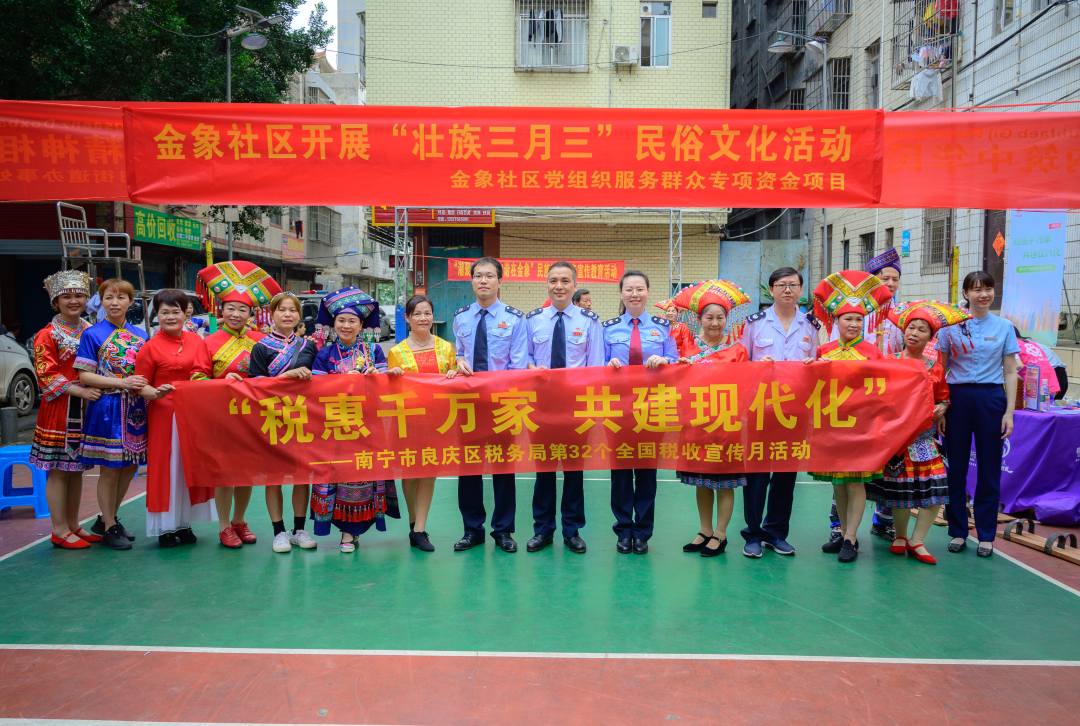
(780, 333)
(561, 335)
(490, 336)
(635, 338)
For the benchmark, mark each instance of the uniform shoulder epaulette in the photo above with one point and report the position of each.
(611, 322)
(756, 316)
(514, 311)
(661, 321)
(590, 314)
(813, 320)
(459, 311)
(534, 312)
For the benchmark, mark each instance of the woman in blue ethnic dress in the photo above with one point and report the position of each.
(114, 436)
(351, 506)
(284, 354)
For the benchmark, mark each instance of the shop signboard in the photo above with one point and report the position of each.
(292, 248)
(166, 229)
(425, 217)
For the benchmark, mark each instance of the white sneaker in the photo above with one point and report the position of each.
(303, 540)
(281, 542)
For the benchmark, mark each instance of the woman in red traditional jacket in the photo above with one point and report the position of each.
(915, 476)
(715, 343)
(164, 359)
(238, 286)
(60, 416)
(844, 299)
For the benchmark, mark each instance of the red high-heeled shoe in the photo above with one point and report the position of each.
(927, 558)
(898, 549)
(63, 544)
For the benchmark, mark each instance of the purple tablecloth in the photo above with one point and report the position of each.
(1041, 457)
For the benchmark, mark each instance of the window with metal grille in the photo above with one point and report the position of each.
(324, 225)
(796, 99)
(937, 240)
(812, 100)
(798, 22)
(839, 84)
(921, 34)
(317, 95)
(866, 250)
(553, 35)
(873, 76)
(828, 250)
(655, 35)
(847, 254)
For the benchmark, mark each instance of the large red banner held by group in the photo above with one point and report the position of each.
(743, 417)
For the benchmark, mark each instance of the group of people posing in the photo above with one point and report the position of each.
(107, 401)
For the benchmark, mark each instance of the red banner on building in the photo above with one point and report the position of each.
(754, 417)
(423, 217)
(514, 270)
(469, 158)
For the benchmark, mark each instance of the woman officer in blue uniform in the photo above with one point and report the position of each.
(635, 338)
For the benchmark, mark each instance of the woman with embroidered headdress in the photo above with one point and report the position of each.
(238, 287)
(721, 308)
(916, 476)
(351, 506)
(284, 354)
(168, 357)
(421, 352)
(114, 435)
(58, 434)
(844, 299)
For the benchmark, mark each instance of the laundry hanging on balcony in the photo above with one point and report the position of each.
(926, 84)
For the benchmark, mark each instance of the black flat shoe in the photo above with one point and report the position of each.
(696, 547)
(641, 546)
(957, 547)
(420, 541)
(575, 544)
(714, 551)
(186, 536)
(624, 546)
(985, 551)
(168, 540)
(467, 542)
(506, 543)
(538, 542)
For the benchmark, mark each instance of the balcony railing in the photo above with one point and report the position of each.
(922, 37)
(828, 15)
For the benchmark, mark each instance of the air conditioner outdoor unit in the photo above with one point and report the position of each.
(624, 54)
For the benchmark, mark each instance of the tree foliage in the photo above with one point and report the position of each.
(118, 50)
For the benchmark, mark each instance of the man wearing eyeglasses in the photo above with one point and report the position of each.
(490, 336)
(780, 333)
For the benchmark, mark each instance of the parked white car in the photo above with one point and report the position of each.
(17, 375)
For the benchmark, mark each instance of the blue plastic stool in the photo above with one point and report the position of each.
(22, 496)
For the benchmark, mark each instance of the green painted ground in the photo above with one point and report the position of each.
(389, 596)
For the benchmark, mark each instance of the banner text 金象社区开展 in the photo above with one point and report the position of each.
(713, 418)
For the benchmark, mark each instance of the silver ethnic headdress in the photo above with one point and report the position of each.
(67, 281)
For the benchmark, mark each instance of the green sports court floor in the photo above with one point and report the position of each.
(719, 636)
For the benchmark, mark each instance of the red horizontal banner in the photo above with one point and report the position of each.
(755, 417)
(515, 270)
(423, 217)
(469, 158)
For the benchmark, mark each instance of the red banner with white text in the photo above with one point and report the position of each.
(518, 270)
(741, 417)
(478, 158)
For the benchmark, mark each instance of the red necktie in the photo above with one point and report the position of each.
(636, 356)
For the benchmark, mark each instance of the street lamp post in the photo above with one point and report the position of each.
(251, 41)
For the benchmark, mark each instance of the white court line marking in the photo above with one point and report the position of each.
(526, 654)
(45, 537)
(1029, 568)
(81, 722)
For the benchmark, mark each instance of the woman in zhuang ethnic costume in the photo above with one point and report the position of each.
(421, 352)
(720, 307)
(284, 354)
(114, 436)
(60, 418)
(171, 506)
(351, 506)
(238, 287)
(915, 476)
(844, 299)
